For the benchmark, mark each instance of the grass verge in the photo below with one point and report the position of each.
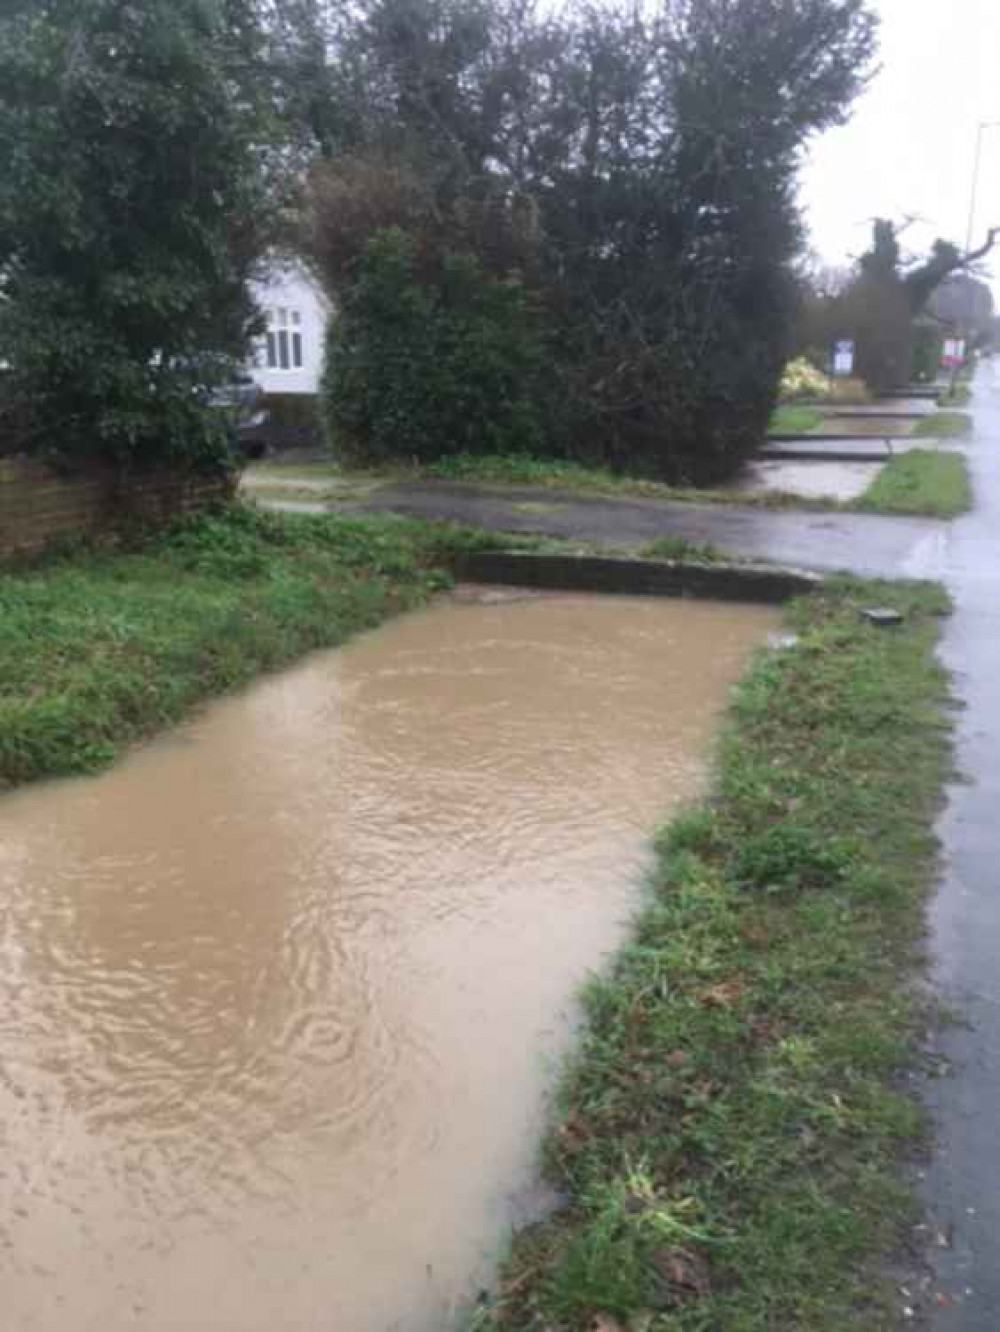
(959, 396)
(575, 478)
(793, 419)
(101, 647)
(923, 482)
(729, 1134)
(944, 425)
(909, 490)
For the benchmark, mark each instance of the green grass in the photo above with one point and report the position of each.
(104, 646)
(944, 425)
(576, 478)
(729, 1135)
(923, 482)
(794, 420)
(679, 548)
(515, 469)
(959, 396)
(919, 484)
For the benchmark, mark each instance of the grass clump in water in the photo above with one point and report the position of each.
(680, 549)
(729, 1132)
(102, 646)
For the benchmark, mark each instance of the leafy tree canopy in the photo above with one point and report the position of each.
(131, 215)
(635, 168)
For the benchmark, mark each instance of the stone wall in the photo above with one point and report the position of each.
(39, 505)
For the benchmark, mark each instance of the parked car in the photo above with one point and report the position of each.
(240, 399)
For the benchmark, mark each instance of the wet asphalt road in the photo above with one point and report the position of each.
(862, 543)
(963, 1183)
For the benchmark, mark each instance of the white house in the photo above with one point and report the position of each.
(289, 359)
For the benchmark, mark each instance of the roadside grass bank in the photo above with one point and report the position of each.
(923, 482)
(103, 646)
(794, 419)
(551, 474)
(728, 1136)
(276, 482)
(944, 425)
(306, 480)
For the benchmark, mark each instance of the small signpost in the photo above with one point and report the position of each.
(843, 358)
(953, 356)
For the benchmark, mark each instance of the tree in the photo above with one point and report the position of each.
(963, 302)
(886, 302)
(635, 170)
(132, 210)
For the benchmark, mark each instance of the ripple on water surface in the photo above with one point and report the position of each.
(277, 993)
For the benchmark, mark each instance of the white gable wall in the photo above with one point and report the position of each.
(293, 303)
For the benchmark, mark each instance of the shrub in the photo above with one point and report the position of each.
(801, 379)
(927, 350)
(420, 369)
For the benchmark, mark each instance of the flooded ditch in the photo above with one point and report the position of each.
(282, 994)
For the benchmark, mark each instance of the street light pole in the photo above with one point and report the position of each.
(981, 129)
(984, 125)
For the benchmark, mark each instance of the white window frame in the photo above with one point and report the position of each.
(284, 342)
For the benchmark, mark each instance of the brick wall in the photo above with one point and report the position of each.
(39, 505)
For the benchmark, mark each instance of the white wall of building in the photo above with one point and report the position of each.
(294, 307)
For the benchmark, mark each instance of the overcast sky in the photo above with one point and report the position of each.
(910, 145)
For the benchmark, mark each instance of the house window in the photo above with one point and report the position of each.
(284, 339)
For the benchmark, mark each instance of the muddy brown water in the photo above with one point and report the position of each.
(281, 994)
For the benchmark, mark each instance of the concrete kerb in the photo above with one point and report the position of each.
(875, 414)
(820, 438)
(789, 453)
(623, 576)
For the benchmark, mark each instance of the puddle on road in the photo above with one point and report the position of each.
(812, 479)
(280, 994)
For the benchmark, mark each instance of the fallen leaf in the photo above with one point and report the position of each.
(677, 1058)
(573, 1136)
(687, 1272)
(604, 1323)
(723, 995)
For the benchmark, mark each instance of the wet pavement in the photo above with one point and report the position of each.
(864, 543)
(809, 478)
(864, 427)
(913, 408)
(963, 1182)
